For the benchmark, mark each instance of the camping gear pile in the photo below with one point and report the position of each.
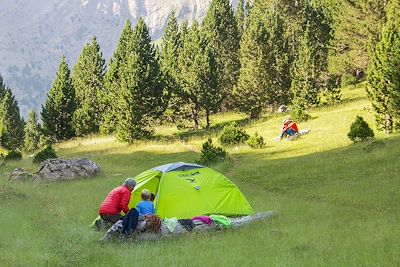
(188, 197)
(152, 227)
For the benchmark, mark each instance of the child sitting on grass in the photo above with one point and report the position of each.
(145, 207)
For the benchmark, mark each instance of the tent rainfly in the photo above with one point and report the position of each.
(184, 190)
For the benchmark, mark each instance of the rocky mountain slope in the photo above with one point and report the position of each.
(35, 34)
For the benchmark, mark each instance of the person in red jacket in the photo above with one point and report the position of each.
(289, 129)
(116, 201)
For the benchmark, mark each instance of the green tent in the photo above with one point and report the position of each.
(185, 190)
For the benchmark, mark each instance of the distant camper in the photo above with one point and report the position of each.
(289, 129)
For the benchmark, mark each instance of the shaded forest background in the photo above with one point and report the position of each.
(251, 59)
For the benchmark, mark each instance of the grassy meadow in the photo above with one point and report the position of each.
(337, 203)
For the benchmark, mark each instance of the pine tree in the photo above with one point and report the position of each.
(140, 95)
(198, 77)
(298, 16)
(358, 23)
(32, 132)
(87, 79)
(250, 94)
(210, 95)
(384, 73)
(2, 88)
(11, 123)
(112, 81)
(183, 31)
(171, 43)
(170, 47)
(60, 104)
(332, 91)
(264, 76)
(306, 72)
(220, 28)
(240, 18)
(2, 111)
(279, 60)
(179, 110)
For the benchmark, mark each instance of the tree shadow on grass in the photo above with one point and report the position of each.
(213, 131)
(365, 169)
(132, 163)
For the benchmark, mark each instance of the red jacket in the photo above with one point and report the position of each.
(116, 200)
(292, 125)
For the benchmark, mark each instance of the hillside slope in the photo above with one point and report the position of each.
(337, 202)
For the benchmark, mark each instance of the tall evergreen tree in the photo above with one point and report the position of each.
(240, 18)
(198, 77)
(88, 82)
(179, 109)
(112, 81)
(220, 28)
(384, 72)
(60, 106)
(32, 132)
(298, 16)
(11, 123)
(279, 59)
(2, 88)
(305, 74)
(251, 95)
(332, 91)
(2, 94)
(183, 31)
(140, 96)
(211, 95)
(264, 78)
(171, 43)
(170, 47)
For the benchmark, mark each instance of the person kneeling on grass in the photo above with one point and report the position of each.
(289, 129)
(146, 206)
(116, 201)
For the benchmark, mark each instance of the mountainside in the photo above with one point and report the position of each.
(35, 34)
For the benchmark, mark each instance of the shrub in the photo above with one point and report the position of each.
(232, 135)
(210, 154)
(360, 130)
(256, 141)
(45, 141)
(46, 153)
(299, 115)
(13, 155)
(348, 79)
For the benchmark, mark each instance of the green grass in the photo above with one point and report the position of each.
(337, 203)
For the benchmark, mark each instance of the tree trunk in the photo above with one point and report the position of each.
(254, 114)
(195, 116)
(207, 119)
(388, 123)
(388, 117)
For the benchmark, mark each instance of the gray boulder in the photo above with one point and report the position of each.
(64, 169)
(20, 174)
(282, 109)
